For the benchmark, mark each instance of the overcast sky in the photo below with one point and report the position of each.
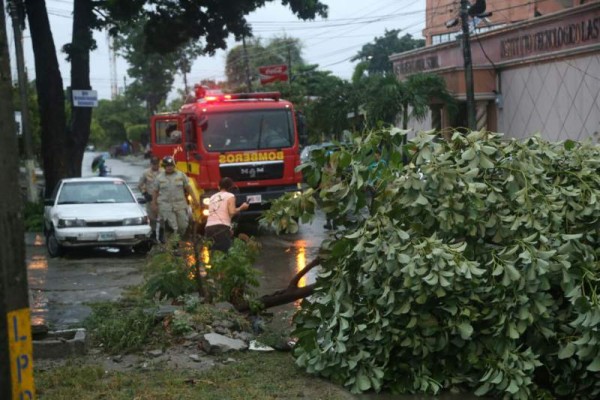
(330, 43)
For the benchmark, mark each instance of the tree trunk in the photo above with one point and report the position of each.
(287, 295)
(51, 97)
(79, 53)
(13, 272)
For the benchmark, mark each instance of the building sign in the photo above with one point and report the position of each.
(85, 98)
(550, 39)
(250, 157)
(273, 73)
(417, 65)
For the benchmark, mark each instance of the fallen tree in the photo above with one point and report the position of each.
(288, 295)
(474, 267)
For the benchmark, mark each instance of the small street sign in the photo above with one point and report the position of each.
(85, 98)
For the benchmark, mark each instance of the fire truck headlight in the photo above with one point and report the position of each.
(205, 213)
(206, 201)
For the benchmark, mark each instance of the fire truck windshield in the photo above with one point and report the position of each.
(247, 130)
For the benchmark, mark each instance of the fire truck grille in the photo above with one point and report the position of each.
(252, 172)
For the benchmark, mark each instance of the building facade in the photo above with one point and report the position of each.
(541, 74)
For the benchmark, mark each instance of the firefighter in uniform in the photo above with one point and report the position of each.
(169, 198)
(146, 187)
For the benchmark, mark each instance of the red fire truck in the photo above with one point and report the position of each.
(252, 138)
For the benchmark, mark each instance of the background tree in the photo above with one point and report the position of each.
(153, 73)
(185, 22)
(235, 65)
(277, 50)
(114, 118)
(376, 54)
(389, 100)
(78, 53)
(51, 98)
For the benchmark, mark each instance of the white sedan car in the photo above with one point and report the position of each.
(95, 212)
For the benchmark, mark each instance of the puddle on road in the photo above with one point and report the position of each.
(37, 269)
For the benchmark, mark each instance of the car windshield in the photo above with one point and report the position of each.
(247, 130)
(95, 192)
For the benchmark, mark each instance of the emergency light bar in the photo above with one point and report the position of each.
(216, 95)
(257, 95)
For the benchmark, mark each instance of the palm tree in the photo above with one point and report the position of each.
(418, 91)
(385, 97)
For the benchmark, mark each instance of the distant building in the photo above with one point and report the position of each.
(536, 67)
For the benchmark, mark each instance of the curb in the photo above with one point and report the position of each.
(60, 344)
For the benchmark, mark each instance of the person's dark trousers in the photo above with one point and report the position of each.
(220, 235)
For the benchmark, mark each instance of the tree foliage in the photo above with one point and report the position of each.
(196, 20)
(277, 50)
(113, 119)
(376, 54)
(153, 73)
(324, 99)
(474, 267)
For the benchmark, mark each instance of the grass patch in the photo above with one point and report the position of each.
(33, 215)
(260, 376)
(119, 327)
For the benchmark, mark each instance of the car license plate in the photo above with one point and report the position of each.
(105, 236)
(255, 198)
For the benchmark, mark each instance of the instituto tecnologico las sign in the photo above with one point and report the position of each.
(551, 38)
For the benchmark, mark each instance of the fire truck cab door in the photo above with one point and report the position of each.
(167, 135)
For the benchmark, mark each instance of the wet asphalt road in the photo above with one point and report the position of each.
(61, 288)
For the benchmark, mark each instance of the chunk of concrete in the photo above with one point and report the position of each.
(214, 343)
(60, 344)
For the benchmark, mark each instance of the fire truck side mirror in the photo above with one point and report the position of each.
(302, 130)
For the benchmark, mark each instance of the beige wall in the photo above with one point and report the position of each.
(560, 99)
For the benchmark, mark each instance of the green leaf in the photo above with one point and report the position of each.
(513, 387)
(465, 329)
(572, 236)
(363, 382)
(422, 200)
(483, 389)
(468, 155)
(566, 351)
(594, 366)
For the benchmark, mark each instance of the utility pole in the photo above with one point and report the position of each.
(184, 69)
(16, 349)
(289, 62)
(468, 62)
(247, 64)
(17, 15)
(112, 61)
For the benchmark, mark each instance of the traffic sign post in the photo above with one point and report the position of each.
(85, 98)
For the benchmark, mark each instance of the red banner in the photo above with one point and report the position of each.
(273, 73)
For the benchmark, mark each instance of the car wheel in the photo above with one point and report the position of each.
(143, 248)
(54, 248)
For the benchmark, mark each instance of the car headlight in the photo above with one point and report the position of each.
(136, 221)
(70, 222)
